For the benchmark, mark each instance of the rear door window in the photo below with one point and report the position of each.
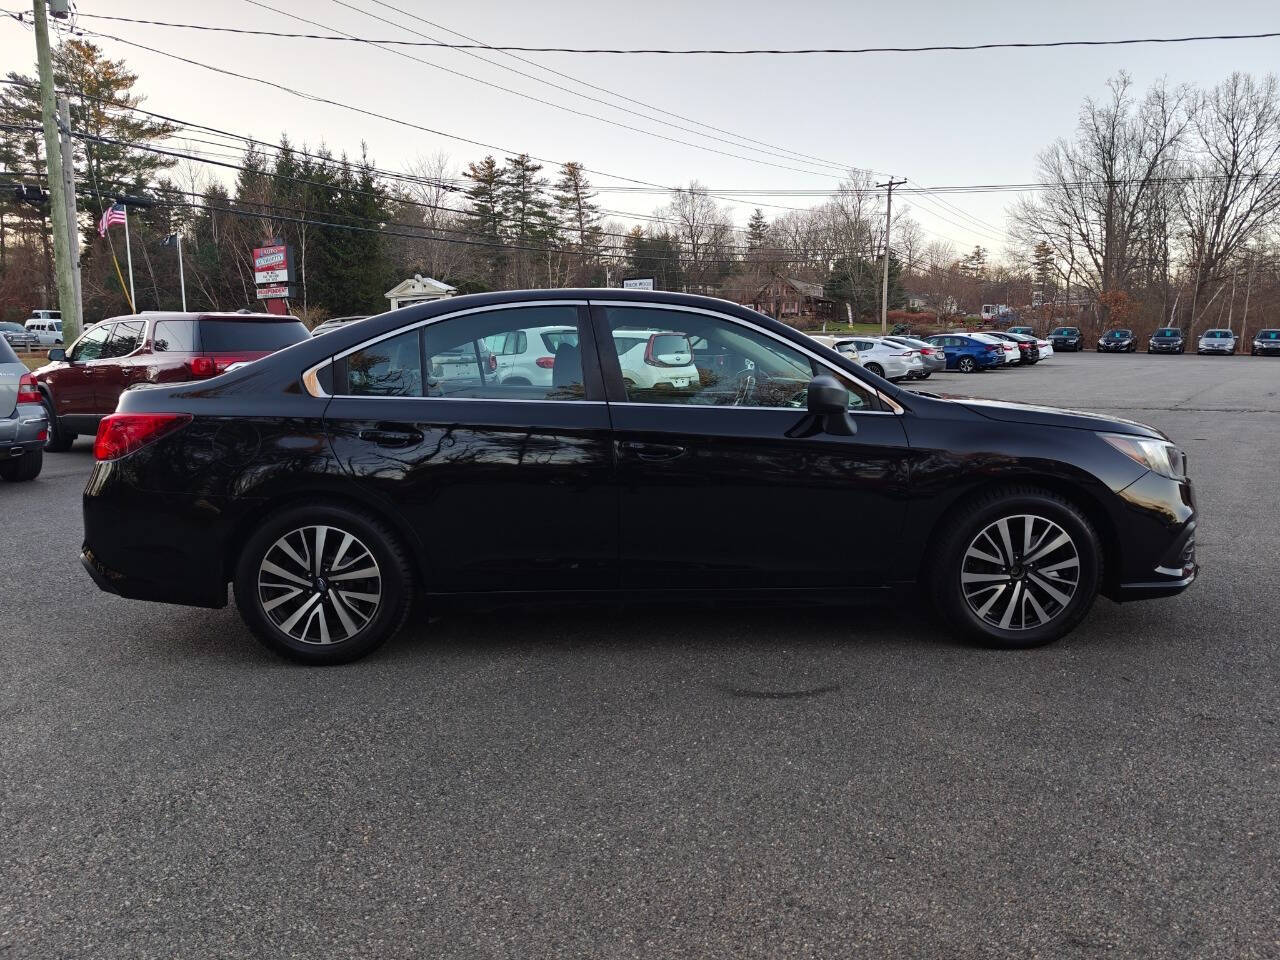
(233, 336)
(174, 336)
(388, 368)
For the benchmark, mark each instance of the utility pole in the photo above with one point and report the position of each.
(73, 224)
(53, 160)
(888, 222)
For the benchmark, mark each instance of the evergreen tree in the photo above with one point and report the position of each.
(757, 230)
(580, 223)
(487, 216)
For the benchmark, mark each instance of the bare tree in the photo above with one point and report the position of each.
(1232, 190)
(704, 231)
(1100, 186)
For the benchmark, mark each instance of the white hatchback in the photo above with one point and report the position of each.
(655, 358)
(528, 357)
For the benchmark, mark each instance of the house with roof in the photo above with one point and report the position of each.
(418, 289)
(787, 297)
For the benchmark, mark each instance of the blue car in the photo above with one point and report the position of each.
(967, 354)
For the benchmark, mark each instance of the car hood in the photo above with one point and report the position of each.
(1053, 417)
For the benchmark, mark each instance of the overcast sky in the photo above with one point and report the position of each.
(938, 118)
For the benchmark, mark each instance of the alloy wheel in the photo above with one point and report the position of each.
(319, 584)
(1020, 572)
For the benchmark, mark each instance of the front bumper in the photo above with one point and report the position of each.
(1157, 346)
(1114, 347)
(1214, 348)
(1176, 571)
(1266, 349)
(1156, 528)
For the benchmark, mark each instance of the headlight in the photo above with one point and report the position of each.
(1158, 456)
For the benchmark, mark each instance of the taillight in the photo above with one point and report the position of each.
(121, 434)
(28, 392)
(992, 348)
(202, 366)
(546, 363)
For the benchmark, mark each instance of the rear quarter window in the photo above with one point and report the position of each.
(174, 336)
(229, 336)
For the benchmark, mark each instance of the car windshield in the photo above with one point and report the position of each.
(1119, 334)
(229, 336)
(1169, 332)
(1269, 335)
(1218, 334)
(1064, 332)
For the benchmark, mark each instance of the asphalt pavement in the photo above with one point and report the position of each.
(664, 783)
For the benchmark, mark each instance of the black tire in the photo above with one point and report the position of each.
(394, 582)
(966, 365)
(926, 375)
(25, 467)
(1014, 503)
(876, 369)
(59, 439)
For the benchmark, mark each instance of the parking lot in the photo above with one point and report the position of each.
(674, 783)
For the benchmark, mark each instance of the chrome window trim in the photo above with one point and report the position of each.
(894, 407)
(310, 376)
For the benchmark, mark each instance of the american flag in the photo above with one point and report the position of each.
(114, 214)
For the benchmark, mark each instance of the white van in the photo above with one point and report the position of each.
(47, 325)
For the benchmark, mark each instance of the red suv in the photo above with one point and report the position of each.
(81, 385)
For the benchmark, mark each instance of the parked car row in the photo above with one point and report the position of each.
(1165, 340)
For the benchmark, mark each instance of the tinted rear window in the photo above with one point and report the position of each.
(229, 336)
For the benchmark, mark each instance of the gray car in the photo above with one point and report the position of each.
(934, 359)
(19, 337)
(22, 419)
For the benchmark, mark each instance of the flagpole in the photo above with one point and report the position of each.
(182, 280)
(128, 249)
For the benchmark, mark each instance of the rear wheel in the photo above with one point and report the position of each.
(966, 365)
(323, 584)
(876, 369)
(1018, 568)
(59, 439)
(25, 467)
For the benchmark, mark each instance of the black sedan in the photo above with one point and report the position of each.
(1066, 338)
(1167, 340)
(1266, 343)
(1117, 341)
(334, 482)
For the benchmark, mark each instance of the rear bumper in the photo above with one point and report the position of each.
(23, 431)
(149, 545)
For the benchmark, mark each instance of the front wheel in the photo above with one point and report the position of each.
(966, 365)
(1018, 568)
(323, 584)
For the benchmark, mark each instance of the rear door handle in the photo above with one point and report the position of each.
(391, 436)
(651, 451)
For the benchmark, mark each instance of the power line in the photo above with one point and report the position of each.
(689, 51)
(551, 103)
(579, 80)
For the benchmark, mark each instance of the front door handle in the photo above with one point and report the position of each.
(651, 451)
(385, 436)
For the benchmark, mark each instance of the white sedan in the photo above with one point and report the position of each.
(890, 360)
(1009, 350)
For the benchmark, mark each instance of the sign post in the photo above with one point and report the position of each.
(273, 274)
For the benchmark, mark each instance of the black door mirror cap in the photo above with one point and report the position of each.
(828, 410)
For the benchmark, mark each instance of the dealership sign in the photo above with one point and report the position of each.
(638, 283)
(273, 265)
(277, 291)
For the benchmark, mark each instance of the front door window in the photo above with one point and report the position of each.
(680, 357)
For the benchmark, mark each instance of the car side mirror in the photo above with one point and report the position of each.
(57, 353)
(828, 404)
